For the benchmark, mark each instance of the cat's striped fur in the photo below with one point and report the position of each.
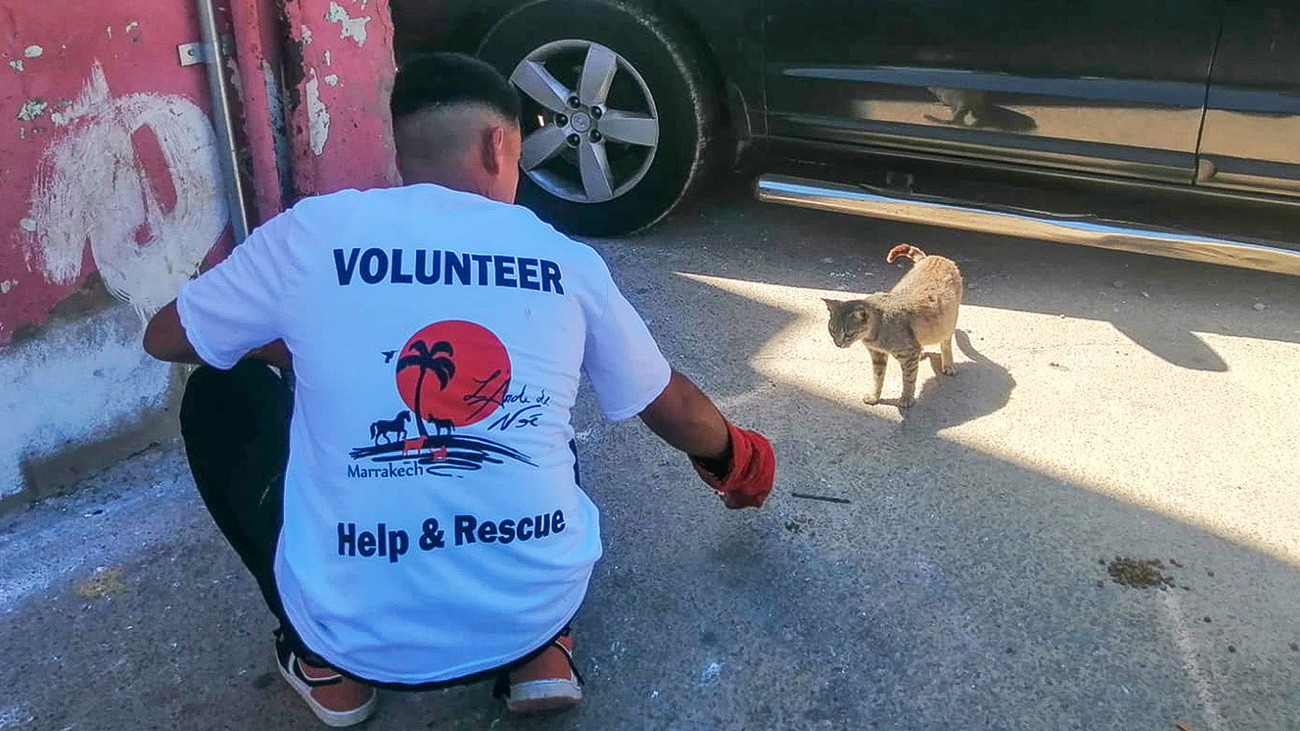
(920, 310)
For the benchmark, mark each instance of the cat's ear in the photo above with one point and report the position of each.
(831, 304)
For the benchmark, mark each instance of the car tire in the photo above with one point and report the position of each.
(587, 168)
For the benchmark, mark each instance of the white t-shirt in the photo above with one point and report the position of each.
(413, 559)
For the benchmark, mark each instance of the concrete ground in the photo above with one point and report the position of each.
(1107, 405)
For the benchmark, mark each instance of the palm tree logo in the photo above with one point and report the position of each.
(436, 360)
(472, 368)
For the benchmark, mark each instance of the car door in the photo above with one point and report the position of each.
(1112, 86)
(1251, 139)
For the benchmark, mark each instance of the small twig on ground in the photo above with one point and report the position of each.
(824, 498)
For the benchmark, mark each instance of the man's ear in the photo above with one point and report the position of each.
(494, 149)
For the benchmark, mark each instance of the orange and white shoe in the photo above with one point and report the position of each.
(337, 701)
(550, 682)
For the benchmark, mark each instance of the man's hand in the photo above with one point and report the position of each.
(749, 473)
(738, 464)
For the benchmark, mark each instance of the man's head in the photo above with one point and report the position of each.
(456, 123)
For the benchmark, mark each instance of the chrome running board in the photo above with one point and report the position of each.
(1024, 223)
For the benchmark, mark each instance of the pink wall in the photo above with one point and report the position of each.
(109, 159)
(339, 122)
(108, 156)
(109, 173)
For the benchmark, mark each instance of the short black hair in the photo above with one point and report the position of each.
(442, 79)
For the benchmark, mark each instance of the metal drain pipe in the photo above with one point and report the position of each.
(1025, 223)
(213, 56)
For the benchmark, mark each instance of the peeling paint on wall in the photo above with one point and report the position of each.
(32, 109)
(354, 28)
(279, 127)
(111, 183)
(132, 171)
(318, 117)
(236, 81)
(350, 48)
(91, 186)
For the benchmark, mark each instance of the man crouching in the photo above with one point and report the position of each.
(412, 511)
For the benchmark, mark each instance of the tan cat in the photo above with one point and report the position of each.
(920, 310)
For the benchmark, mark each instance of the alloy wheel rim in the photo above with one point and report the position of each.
(591, 127)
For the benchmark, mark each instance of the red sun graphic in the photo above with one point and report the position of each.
(453, 373)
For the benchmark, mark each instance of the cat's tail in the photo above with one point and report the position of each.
(907, 250)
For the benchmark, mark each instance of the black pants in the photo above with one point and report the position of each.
(235, 425)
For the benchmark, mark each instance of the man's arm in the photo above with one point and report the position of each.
(626, 368)
(686, 419)
(236, 309)
(738, 464)
(165, 339)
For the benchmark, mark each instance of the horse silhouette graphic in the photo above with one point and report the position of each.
(387, 427)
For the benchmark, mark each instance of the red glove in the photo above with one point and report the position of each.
(750, 473)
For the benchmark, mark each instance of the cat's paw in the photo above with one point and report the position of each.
(950, 370)
(871, 400)
(905, 401)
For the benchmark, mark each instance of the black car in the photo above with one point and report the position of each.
(927, 110)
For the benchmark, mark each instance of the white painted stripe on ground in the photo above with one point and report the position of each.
(1187, 645)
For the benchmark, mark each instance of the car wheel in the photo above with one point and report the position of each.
(618, 110)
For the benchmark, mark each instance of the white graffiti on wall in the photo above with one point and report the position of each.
(92, 187)
(318, 116)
